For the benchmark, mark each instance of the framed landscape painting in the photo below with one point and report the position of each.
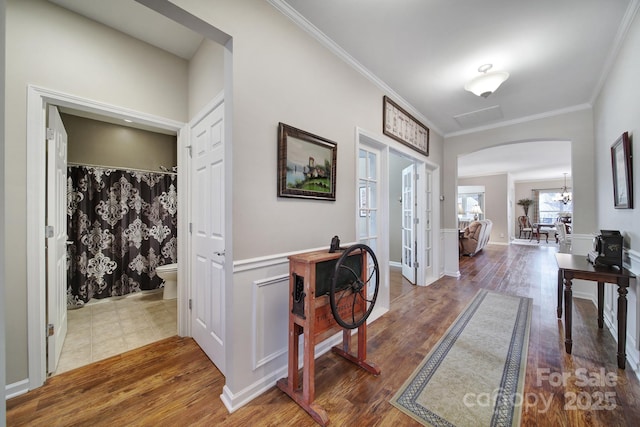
(306, 164)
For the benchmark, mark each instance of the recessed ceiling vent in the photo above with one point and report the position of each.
(479, 117)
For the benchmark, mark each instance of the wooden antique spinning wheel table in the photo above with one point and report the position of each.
(328, 292)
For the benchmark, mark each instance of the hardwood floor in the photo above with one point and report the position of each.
(172, 383)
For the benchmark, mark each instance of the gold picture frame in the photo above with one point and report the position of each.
(403, 127)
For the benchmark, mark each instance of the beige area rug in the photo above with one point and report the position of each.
(475, 374)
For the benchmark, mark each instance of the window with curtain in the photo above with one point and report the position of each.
(549, 207)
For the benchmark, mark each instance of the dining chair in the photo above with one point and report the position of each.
(525, 227)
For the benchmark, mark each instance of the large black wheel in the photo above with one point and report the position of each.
(353, 291)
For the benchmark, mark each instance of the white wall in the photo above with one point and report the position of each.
(281, 74)
(495, 203)
(2, 224)
(617, 109)
(575, 126)
(206, 75)
(53, 48)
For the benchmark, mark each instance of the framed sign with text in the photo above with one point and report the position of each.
(403, 127)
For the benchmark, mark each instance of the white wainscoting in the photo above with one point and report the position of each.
(269, 310)
(260, 328)
(632, 262)
(451, 239)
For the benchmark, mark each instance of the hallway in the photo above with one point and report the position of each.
(172, 382)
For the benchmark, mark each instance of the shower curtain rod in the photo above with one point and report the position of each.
(119, 168)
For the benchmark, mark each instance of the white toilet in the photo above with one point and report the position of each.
(169, 274)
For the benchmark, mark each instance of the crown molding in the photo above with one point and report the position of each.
(625, 25)
(307, 26)
(327, 42)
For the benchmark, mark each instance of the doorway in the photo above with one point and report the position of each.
(38, 100)
(402, 214)
(377, 167)
(122, 225)
(413, 217)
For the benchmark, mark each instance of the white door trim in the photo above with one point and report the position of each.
(372, 142)
(37, 100)
(426, 273)
(386, 144)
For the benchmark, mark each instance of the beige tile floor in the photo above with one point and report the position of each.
(108, 327)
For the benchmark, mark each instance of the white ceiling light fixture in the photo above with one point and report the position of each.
(487, 82)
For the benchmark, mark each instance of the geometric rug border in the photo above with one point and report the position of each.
(512, 381)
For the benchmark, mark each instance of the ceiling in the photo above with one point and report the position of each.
(555, 51)
(138, 21)
(423, 52)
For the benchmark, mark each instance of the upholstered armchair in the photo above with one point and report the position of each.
(475, 237)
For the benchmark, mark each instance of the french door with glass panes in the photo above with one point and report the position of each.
(409, 241)
(368, 198)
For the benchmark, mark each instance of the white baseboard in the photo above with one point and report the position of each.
(233, 402)
(16, 389)
(452, 273)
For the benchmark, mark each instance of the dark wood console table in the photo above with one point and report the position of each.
(577, 267)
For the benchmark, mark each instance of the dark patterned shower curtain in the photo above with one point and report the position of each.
(121, 225)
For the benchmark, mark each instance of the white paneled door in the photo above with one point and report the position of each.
(56, 237)
(408, 224)
(208, 237)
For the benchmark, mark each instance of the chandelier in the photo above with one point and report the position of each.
(565, 195)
